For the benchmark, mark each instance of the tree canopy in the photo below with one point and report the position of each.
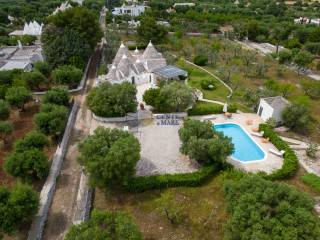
(109, 156)
(150, 30)
(18, 206)
(18, 96)
(106, 225)
(203, 144)
(113, 100)
(264, 210)
(58, 96)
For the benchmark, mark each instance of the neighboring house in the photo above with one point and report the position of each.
(31, 28)
(132, 10)
(64, 6)
(272, 107)
(303, 20)
(20, 57)
(139, 67)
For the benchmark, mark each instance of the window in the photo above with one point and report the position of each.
(132, 80)
(260, 111)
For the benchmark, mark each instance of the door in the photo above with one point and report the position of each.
(260, 111)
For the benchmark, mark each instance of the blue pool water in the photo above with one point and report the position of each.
(246, 149)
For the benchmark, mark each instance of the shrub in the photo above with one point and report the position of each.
(296, 116)
(285, 56)
(208, 108)
(113, 100)
(51, 119)
(312, 180)
(58, 96)
(27, 165)
(205, 109)
(151, 95)
(31, 140)
(194, 179)
(312, 150)
(261, 209)
(106, 225)
(4, 110)
(200, 60)
(290, 160)
(33, 79)
(18, 206)
(208, 84)
(67, 75)
(43, 67)
(18, 96)
(109, 156)
(311, 88)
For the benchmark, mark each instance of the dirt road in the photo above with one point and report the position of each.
(62, 210)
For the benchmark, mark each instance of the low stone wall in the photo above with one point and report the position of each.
(84, 200)
(48, 189)
(109, 120)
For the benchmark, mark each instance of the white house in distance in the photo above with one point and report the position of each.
(20, 57)
(272, 107)
(139, 67)
(132, 10)
(31, 28)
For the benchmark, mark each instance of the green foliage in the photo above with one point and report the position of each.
(205, 109)
(34, 79)
(58, 96)
(311, 88)
(4, 110)
(27, 165)
(151, 95)
(51, 119)
(18, 206)
(200, 60)
(18, 96)
(290, 161)
(109, 156)
(112, 100)
(106, 225)
(297, 117)
(6, 128)
(302, 59)
(208, 84)
(31, 140)
(172, 97)
(312, 180)
(43, 67)
(203, 144)
(194, 179)
(67, 75)
(261, 209)
(285, 56)
(149, 30)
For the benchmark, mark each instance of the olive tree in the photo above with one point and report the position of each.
(113, 100)
(109, 156)
(18, 97)
(4, 110)
(58, 96)
(6, 128)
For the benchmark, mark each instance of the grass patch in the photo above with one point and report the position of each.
(312, 180)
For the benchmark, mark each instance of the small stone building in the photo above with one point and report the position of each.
(272, 107)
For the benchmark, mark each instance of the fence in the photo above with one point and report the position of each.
(48, 189)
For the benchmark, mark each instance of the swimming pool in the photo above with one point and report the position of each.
(246, 149)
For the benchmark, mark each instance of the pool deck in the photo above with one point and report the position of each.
(271, 162)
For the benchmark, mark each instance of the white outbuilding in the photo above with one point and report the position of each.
(272, 107)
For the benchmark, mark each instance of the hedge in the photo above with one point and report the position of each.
(206, 109)
(312, 180)
(141, 184)
(290, 161)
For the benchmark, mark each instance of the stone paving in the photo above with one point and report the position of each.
(271, 163)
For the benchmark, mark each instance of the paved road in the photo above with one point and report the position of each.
(63, 206)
